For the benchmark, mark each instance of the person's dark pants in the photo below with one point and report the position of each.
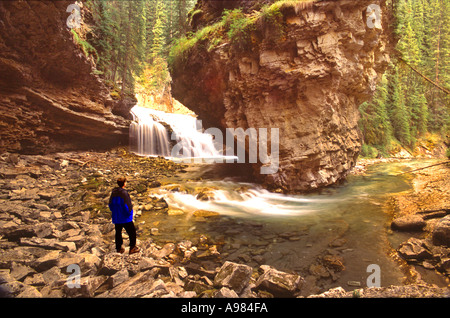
(131, 231)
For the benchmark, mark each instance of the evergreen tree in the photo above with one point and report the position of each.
(374, 121)
(159, 38)
(397, 109)
(132, 38)
(414, 105)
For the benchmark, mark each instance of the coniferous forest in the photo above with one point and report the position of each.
(412, 100)
(131, 40)
(131, 44)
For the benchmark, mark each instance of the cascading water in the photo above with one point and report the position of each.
(150, 137)
(147, 136)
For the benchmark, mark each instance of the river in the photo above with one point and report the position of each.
(335, 234)
(347, 222)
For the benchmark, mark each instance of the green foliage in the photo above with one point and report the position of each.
(87, 48)
(131, 36)
(374, 122)
(235, 27)
(182, 46)
(155, 76)
(239, 26)
(368, 151)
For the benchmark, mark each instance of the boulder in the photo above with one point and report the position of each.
(441, 232)
(118, 278)
(87, 288)
(112, 263)
(225, 292)
(15, 289)
(135, 287)
(414, 249)
(47, 261)
(410, 223)
(234, 276)
(278, 283)
(20, 271)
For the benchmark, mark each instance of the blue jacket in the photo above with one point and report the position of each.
(121, 206)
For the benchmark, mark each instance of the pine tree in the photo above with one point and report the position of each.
(397, 110)
(159, 39)
(374, 123)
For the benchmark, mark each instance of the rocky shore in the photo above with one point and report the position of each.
(423, 216)
(57, 240)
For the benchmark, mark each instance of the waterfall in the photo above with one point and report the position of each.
(156, 133)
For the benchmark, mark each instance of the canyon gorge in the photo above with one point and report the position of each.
(304, 72)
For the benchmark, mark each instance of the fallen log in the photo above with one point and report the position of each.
(433, 165)
(431, 214)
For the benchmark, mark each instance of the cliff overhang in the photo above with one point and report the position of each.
(50, 97)
(302, 67)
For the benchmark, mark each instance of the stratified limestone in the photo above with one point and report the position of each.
(50, 98)
(305, 76)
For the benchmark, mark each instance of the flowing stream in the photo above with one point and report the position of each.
(289, 232)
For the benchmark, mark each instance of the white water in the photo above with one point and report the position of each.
(149, 137)
(243, 200)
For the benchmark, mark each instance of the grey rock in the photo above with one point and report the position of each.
(118, 278)
(414, 249)
(20, 271)
(278, 283)
(225, 292)
(234, 276)
(441, 232)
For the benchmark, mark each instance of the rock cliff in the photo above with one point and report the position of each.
(305, 71)
(49, 97)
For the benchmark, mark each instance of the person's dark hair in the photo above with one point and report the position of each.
(121, 181)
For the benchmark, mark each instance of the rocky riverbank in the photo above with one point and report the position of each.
(423, 217)
(55, 218)
(54, 223)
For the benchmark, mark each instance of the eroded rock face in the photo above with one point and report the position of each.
(307, 81)
(49, 97)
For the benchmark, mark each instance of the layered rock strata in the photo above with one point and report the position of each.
(49, 97)
(305, 75)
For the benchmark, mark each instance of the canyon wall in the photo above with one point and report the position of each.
(50, 99)
(305, 75)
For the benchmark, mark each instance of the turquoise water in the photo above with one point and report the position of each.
(291, 232)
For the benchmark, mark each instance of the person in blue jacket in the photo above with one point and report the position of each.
(122, 216)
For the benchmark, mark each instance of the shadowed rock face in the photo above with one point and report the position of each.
(49, 98)
(308, 81)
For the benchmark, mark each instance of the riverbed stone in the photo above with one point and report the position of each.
(278, 283)
(225, 292)
(47, 261)
(233, 275)
(441, 232)
(414, 249)
(205, 213)
(408, 223)
(118, 278)
(20, 271)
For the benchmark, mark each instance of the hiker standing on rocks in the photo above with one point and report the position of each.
(122, 216)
